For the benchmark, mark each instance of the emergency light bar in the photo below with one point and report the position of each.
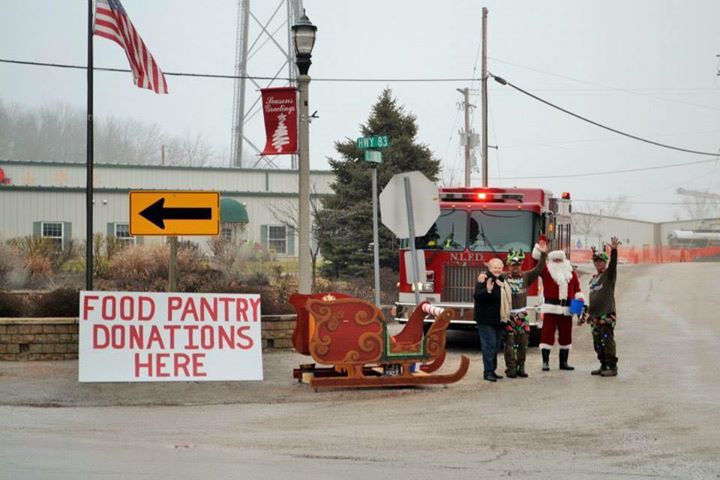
(481, 196)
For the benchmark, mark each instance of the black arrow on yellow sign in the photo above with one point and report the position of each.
(157, 213)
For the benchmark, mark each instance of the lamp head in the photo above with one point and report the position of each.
(304, 40)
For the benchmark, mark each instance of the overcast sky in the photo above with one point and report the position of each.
(646, 67)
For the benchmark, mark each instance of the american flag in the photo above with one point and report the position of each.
(112, 22)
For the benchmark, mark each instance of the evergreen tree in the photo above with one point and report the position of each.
(345, 222)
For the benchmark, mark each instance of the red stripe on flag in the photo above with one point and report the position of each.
(116, 26)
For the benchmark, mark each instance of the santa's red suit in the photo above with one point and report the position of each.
(560, 286)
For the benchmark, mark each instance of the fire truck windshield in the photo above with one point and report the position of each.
(501, 230)
(448, 233)
(481, 231)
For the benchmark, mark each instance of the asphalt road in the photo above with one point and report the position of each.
(660, 418)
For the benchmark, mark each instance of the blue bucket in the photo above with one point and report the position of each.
(576, 306)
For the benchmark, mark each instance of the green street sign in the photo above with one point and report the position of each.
(377, 141)
(373, 156)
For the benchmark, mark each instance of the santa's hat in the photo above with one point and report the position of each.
(557, 255)
(536, 253)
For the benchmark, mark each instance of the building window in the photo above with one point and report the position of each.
(277, 238)
(122, 232)
(226, 232)
(54, 232)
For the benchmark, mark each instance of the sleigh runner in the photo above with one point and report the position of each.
(351, 335)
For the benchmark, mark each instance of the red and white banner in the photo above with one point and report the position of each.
(280, 111)
(160, 337)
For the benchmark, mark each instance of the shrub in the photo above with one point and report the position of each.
(271, 301)
(30, 247)
(39, 271)
(11, 305)
(12, 273)
(137, 268)
(145, 268)
(224, 254)
(258, 279)
(63, 302)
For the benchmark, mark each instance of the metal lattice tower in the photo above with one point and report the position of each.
(271, 53)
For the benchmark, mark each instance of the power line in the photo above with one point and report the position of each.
(502, 81)
(608, 87)
(612, 172)
(637, 203)
(563, 142)
(233, 77)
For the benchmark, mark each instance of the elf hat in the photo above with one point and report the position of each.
(599, 255)
(515, 257)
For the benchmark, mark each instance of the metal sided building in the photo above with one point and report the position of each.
(48, 199)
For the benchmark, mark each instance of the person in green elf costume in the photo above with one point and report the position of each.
(600, 313)
(517, 330)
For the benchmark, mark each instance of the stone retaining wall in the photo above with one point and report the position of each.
(57, 338)
(277, 331)
(38, 338)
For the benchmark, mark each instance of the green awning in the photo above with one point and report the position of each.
(232, 211)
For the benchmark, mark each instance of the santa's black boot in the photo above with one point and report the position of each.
(564, 353)
(546, 359)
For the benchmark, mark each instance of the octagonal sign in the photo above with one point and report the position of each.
(425, 204)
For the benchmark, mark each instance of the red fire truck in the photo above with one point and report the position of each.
(475, 225)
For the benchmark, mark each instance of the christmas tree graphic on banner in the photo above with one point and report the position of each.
(280, 137)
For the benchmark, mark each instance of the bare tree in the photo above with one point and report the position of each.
(611, 207)
(584, 223)
(57, 133)
(700, 207)
(287, 214)
(192, 150)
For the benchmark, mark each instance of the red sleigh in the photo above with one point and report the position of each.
(351, 335)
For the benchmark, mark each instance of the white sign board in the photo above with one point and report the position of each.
(161, 337)
(425, 204)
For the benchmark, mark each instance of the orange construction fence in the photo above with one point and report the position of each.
(650, 254)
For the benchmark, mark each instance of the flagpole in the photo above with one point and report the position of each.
(89, 157)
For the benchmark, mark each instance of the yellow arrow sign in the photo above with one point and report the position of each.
(174, 213)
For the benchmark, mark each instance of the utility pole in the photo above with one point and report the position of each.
(484, 105)
(466, 134)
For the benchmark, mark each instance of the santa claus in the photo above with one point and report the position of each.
(560, 286)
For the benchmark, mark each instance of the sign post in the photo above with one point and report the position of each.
(410, 204)
(374, 158)
(411, 237)
(172, 268)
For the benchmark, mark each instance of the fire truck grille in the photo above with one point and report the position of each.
(459, 283)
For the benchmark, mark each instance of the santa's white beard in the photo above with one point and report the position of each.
(561, 272)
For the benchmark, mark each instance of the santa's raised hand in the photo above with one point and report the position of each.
(542, 246)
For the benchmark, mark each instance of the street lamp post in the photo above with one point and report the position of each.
(304, 40)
